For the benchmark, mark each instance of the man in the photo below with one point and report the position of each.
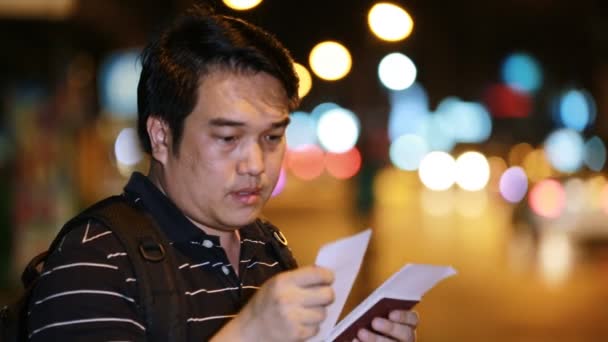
(214, 100)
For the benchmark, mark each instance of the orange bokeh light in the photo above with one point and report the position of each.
(306, 163)
(548, 198)
(604, 199)
(343, 165)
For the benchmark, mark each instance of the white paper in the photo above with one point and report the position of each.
(409, 283)
(344, 258)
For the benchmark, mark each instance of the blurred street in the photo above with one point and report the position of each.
(467, 133)
(499, 293)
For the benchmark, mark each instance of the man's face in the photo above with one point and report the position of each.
(231, 151)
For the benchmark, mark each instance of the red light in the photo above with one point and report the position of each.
(306, 163)
(343, 165)
(506, 102)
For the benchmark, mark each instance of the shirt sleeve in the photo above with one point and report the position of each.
(86, 292)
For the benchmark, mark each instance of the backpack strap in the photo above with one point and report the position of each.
(278, 243)
(161, 294)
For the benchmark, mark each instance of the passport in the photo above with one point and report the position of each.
(402, 291)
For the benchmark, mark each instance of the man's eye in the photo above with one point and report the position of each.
(274, 137)
(227, 139)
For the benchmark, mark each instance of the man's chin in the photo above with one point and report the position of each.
(241, 218)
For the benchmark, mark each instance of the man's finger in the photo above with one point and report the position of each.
(365, 335)
(312, 316)
(398, 331)
(311, 276)
(317, 296)
(410, 318)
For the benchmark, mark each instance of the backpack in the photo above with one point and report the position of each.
(162, 304)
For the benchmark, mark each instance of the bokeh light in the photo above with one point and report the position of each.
(505, 102)
(471, 204)
(397, 71)
(126, 147)
(306, 163)
(437, 203)
(576, 195)
(565, 150)
(576, 110)
(497, 167)
(555, 256)
(437, 171)
(466, 122)
(343, 165)
(603, 199)
(301, 131)
(547, 198)
(407, 151)
(518, 153)
(242, 5)
(472, 171)
(522, 72)
(594, 187)
(330, 60)
(595, 154)
(394, 188)
(513, 184)
(437, 133)
(281, 182)
(338, 130)
(389, 22)
(409, 110)
(321, 109)
(537, 166)
(305, 79)
(119, 76)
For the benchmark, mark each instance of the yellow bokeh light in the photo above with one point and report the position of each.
(595, 186)
(330, 60)
(556, 254)
(390, 22)
(394, 187)
(305, 79)
(537, 166)
(497, 167)
(242, 5)
(518, 153)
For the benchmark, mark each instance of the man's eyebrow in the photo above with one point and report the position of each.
(225, 122)
(233, 123)
(282, 123)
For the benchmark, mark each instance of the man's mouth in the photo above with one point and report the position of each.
(248, 196)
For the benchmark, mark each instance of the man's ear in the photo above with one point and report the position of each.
(160, 139)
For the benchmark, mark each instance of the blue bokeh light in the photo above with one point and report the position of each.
(407, 151)
(576, 110)
(522, 72)
(301, 131)
(565, 150)
(467, 122)
(437, 133)
(595, 154)
(119, 76)
(409, 110)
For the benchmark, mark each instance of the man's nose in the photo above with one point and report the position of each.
(252, 162)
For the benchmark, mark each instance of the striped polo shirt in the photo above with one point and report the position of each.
(87, 290)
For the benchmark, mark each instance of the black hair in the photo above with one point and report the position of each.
(174, 63)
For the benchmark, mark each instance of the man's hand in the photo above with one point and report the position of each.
(400, 326)
(288, 307)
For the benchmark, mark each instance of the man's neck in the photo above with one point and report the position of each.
(230, 240)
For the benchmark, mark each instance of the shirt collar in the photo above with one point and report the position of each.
(176, 226)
